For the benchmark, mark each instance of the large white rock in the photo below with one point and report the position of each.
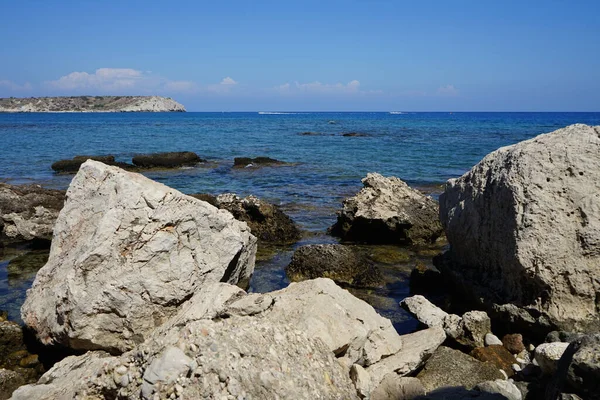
(524, 229)
(126, 253)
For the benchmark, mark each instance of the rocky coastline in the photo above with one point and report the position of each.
(147, 286)
(88, 104)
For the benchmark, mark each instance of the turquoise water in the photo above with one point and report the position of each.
(424, 149)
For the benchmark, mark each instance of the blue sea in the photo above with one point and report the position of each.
(424, 149)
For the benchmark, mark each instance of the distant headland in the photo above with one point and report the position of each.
(91, 104)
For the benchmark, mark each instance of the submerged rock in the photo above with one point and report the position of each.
(524, 230)
(72, 165)
(167, 160)
(28, 212)
(126, 253)
(334, 261)
(387, 210)
(242, 162)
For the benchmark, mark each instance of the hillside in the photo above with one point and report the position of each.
(91, 104)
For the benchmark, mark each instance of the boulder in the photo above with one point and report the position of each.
(167, 160)
(584, 369)
(398, 388)
(491, 339)
(266, 221)
(72, 166)
(387, 210)
(334, 261)
(548, 354)
(524, 230)
(497, 355)
(243, 162)
(28, 212)
(126, 253)
(426, 312)
(502, 387)
(448, 367)
(513, 343)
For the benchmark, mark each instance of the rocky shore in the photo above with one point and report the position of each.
(91, 104)
(147, 285)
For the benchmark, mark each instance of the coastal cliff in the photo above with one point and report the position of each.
(91, 104)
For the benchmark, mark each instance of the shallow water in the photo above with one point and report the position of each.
(424, 149)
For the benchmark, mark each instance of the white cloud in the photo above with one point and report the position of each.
(318, 87)
(448, 90)
(14, 87)
(228, 81)
(104, 79)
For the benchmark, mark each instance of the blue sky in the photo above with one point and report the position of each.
(310, 55)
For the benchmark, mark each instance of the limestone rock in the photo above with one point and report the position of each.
(524, 228)
(475, 325)
(548, 354)
(584, 370)
(126, 253)
(28, 212)
(335, 261)
(398, 388)
(425, 311)
(387, 210)
(500, 386)
(448, 367)
(491, 339)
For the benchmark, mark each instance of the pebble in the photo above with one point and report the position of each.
(516, 367)
(121, 370)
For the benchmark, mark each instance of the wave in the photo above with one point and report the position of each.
(276, 113)
(397, 112)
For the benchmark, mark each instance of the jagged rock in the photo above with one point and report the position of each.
(513, 343)
(28, 212)
(497, 355)
(398, 388)
(448, 367)
(126, 253)
(425, 311)
(548, 354)
(387, 210)
(167, 160)
(584, 369)
(243, 162)
(72, 165)
(334, 261)
(491, 339)
(475, 325)
(91, 104)
(9, 381)
(266, 221)
(502, 387)
(524, 229)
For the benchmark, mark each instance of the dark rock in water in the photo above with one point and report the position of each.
(28, 212)
(524, 231)
(335, 261)
(266, 221)
(387, 210)
(354, 134)
(497, 355)
(167, 160)
(242, 162)
(310, 134)
(448, 367)
(72, 166)
(513, 343)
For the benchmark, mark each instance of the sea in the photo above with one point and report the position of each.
(425, 149)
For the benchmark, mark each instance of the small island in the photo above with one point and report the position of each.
(91, 104)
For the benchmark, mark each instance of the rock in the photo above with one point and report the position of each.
(475, 325)
(126, 253)
(491, 339)
(28, 212)
(524, 229)
(354, 134)
(387, 210)
(72, 166)
(361, 380)
(91, 104)
(562, 336)
(584, 369)
(398, 388)
(548, 354)
(513, 343)
(11, 339)
(460, 393)
(422, 309)
(9, 381)
(266, 221)
(242, 162)
(167, 160)
(497, 355)
(448, 367)
(334, 261)
(165, 369)
(500, 386)
(416, 349)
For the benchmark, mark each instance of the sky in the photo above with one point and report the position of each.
(308, 55)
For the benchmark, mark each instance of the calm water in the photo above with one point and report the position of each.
(424, 149)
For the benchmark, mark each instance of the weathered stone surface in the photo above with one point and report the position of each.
(9, 381)
(398, 388)
(266, 221)
(548, 354)
(513, 343)
(334, 261)
(497, 355)
(424, 310)
(491, 339)
(387, 210)
(584, 369)
(524, 228)
(474, 325)
(500, 386)
(91, 104)
(448, 367)
(28, 212)
(167, 160)
(127, 252)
